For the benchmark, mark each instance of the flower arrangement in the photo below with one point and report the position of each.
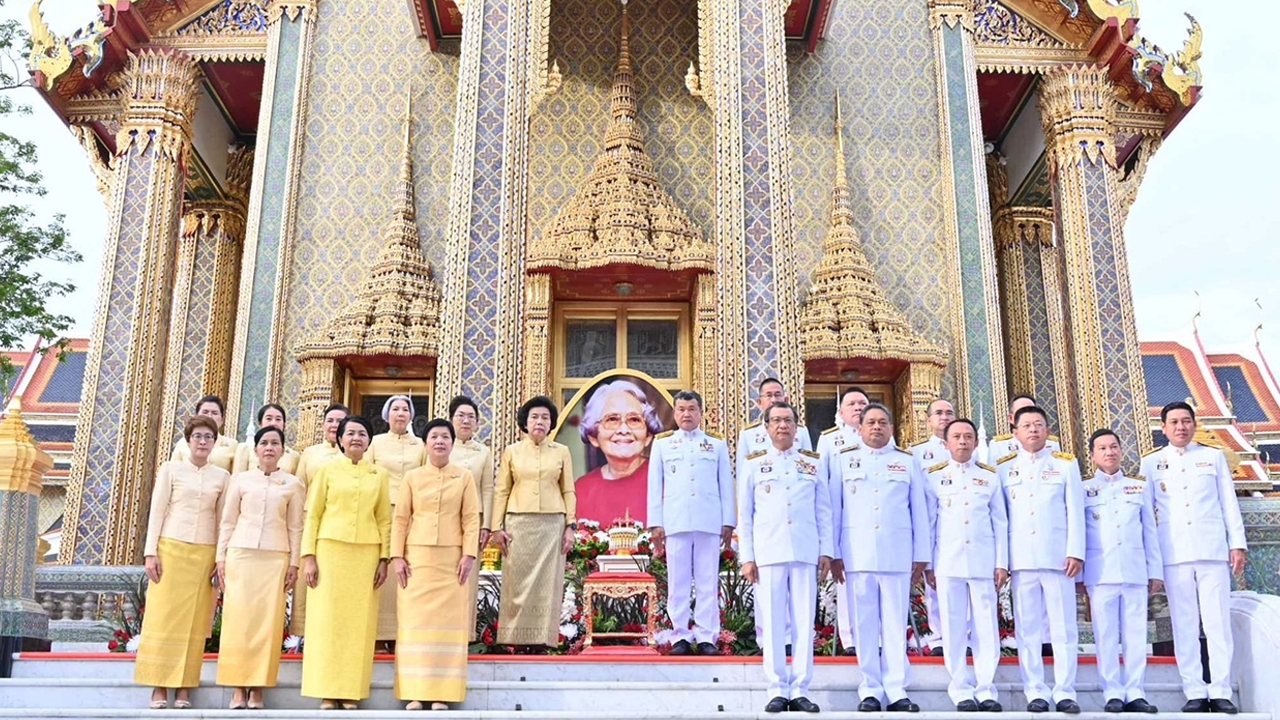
(128, 625)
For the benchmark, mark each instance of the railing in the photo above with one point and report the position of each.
(84, 602)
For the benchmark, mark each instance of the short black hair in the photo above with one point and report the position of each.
(687, 396)
(1023, 396)
(929, 408)
(854, 389)
(786, 406)
(766, 381)
(357, 419)
(335, 406)
(222, 407)
(262, 432)
(1101, 433)
(1028, 410)
(263, 411)
(458, 402)
(946, 432)
(538, 401)
(876, 406)
(1176, 405)
(440, 422)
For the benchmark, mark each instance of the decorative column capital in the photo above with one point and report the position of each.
(221, 220)
(951, 13)
(1031, 227)
(239, 173)
(1078, 112)
(22, 462)
(277, 9)
(160, 90)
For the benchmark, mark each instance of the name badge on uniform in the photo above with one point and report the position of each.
(1052, 473)
(807, 468)
(707, 446)
(1091, 492)
(766, 469)
(928, 454)
(1204, 464)
(1133, 490)
(1162, 465)
(896, 467)
(980, 482)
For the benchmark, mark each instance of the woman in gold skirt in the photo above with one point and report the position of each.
(223, 454)
(259, 542)
(269, 415)
(309, 463)
(345, 546)
(477, 458)
(534, 522)
(182, 536)
(399, 451)
(434, 535)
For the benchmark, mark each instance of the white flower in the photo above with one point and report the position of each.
(132, 645)
(1009, 642)
(643, 537)
(291, 643)
(601, 535)
(569, 630)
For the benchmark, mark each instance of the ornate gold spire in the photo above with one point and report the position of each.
(397, 311)
(847, 314)
(22, 462)
(621, 215)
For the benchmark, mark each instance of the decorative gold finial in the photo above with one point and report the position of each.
(1195, 319)
(1257, 331)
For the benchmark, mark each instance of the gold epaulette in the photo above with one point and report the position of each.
(937, 467)
(809, 453)
(1064, 456)
(851, 448)
(986, 467)
(830, 430)
(904, 452)
(1006, 458)
(1002, 438)
(1152, 452)
(711, 433)
(752, 425)
(1139, 478)
(922, 442)
(756, 454)
(1054, 438)
(661, 435)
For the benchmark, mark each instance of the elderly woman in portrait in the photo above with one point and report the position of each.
(224, 449)
(259, 541)
(180, 549)
(346, 543)
(621, 423)
(435, 532)
(269, 415)
(477, 458)
(533, 522)
(399, 451)
(309, 463)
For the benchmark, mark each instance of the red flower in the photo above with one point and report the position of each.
(113, 645)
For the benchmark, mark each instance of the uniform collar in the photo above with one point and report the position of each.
(1178, 452)
(693, 434)
(1043, 453)
(888, 448)
(957, 465)
(1119, 475)
(789, 452)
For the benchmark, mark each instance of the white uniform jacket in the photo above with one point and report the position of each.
(1121, 546)
(931, 452)
(882, 519)
(1197, 514)
(1045, 500)
(690, 483)
(784, 509)
(970, 522)
(754, 437)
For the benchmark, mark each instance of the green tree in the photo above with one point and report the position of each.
(24, 242)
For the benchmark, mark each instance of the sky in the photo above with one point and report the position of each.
(1205, 220)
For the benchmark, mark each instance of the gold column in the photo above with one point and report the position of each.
(708, 365)
(226, 274)
(22, 468)
(322, 381)
(116, 447)
(1078, 106)
(535, 379)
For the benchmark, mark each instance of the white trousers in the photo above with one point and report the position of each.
(1120, 622)
(933, 614)
(693, 564)
(1201, 592)
(844, 618)
(958, 600)
(1037, 593)
(880, 603)
(788, 594)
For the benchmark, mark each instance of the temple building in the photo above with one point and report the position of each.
(314, 201)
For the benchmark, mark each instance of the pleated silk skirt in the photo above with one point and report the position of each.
(473, 597)
(387, 624)
(253, 605)
(342, 620)
(177, 617)
(431, 646)
(532, 580)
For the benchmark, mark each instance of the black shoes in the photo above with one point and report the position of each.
(869, 705)
(681, 648)
(802, 704)
(990, 706)
(706, 648)
(935, 652)
(1140, 706)
(1039, 705)
(1198, 705)
(1114, 705)
(777, 705)
(903, 705)
(1223, 705)
(1070, 707)
(967, 706)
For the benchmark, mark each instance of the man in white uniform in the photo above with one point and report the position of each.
(970, 565)
(1202, 544)
(833, 440)
(1121, 561)
(927, 454)
(785, 540)
(1046, 553)
(1002, 445)
(692, 513)
(883, 545)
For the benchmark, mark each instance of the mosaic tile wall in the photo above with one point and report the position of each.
(366, 55)
(879, 55)
(1262, 531)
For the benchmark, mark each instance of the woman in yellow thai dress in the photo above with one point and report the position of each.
(434, 535)
(345, 548)
(223, 454)
(259, 542)
(182, 536)
(476, 457)
(399, 451)
(269, 415)
(309, 463)
(534, 522)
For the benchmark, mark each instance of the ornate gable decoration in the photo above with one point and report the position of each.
(847, 314)
(229, 17)
(397, 311)
(621, 215)
(995, 24)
